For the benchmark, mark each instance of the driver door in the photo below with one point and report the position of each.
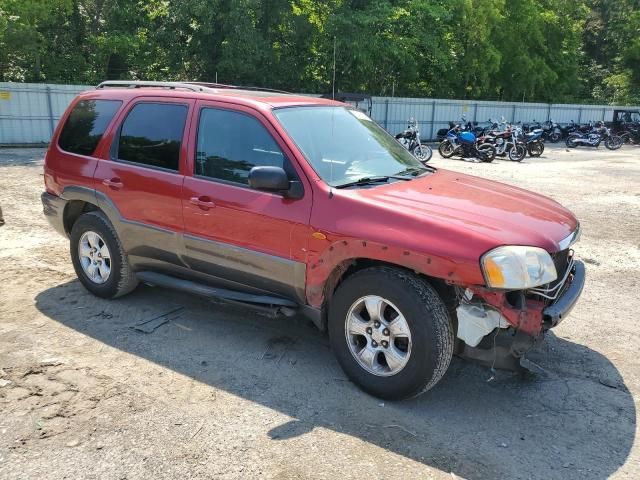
(232, 232)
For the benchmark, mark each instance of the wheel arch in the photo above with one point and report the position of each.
(349, 267)
(72, 211)
(84, 199)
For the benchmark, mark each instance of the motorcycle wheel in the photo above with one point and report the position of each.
(487, 152)
(613, 143)
(517, 152)
(446, 149)
(423, 153)
(555, 137)
(570, 142)
(535, 149)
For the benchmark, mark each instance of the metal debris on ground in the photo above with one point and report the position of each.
(149, 326)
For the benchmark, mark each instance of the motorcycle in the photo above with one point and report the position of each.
(593, 138)
(410, 139)
(631, 134)
(505, 141)
(552, 131)
(533, 141)
(463, 143)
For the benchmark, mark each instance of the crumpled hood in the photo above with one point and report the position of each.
(469, 207)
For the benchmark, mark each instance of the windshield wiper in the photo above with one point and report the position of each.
(417, 171)
(372, 180)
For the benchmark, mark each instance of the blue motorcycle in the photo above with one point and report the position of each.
(533, 140)
(463, 143)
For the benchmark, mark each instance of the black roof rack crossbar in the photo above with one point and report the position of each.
(142, 84)
(237, 87)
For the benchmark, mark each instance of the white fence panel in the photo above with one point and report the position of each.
(29, 112)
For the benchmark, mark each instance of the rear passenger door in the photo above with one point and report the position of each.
(232, 231)
(142, 180)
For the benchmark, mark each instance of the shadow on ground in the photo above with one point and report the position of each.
(576, 421)
(14, 157)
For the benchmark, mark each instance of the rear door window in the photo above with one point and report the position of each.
(86, 124)
(151, 135)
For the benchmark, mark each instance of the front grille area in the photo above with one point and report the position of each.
(562, 260)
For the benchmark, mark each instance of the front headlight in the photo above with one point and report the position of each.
(517, 267)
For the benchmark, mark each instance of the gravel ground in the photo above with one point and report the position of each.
(221, 391)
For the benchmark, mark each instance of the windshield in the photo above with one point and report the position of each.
(345, 145)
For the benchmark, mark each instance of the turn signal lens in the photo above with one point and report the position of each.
(493, 273)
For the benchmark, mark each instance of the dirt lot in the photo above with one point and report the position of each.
(223, 392)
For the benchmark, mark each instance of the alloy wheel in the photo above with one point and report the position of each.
(95, 257)
(378, 335)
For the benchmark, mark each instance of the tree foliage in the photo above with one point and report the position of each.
(532, 50)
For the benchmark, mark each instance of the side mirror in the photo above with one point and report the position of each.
(274, 179)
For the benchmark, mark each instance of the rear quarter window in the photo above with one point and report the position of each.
(86, 124)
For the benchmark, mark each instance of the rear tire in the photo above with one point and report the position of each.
(570, 142)
(488, 152)
(91, 229)
(417, 363)
(535, 149)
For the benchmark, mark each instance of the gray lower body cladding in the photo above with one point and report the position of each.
(186, 256)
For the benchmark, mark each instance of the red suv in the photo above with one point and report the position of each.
(306, 205)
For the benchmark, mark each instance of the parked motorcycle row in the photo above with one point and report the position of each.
(469, 140)
(515, 141)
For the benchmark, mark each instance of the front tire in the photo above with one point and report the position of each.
(423, 153)
(98, 257)
(613, 142)
(570, 142)
(446, 149)
(390, 332)
(517, 152)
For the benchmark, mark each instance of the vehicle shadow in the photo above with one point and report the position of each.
(577, 420)
(19, 157)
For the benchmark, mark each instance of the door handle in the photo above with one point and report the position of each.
(203, 202)
(113, 183)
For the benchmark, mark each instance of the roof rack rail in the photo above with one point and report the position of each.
(237, 87)
(194, 87)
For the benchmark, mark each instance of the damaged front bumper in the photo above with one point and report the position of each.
(498, 328)
(562, 306)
